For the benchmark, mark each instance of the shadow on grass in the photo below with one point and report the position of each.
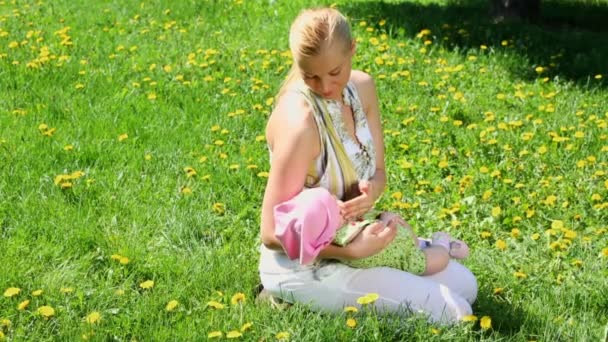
(507, 320)
(569, 40)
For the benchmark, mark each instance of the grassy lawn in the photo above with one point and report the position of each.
(133, 164)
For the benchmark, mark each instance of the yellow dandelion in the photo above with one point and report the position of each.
(66, 290)
(485, 234)
(219, 208)
(535, 236)
(93, 318)
(469, 318)
(23, 305)
(119, 292)
(368, 298)
(501, 244)
(351, 323)
(123, 137)
(215, 305)
(186, 191)
(238, 298)
(148, 157)
(152, 96)
(604, 253)
(146, 285)
(263, 174)
(36, 293)
(246, 326)
(283, 335)
(123, 260)
(496, 211)
(215, 334)
(11, 291)
(68, 147)
(351, 309)
(498, 290)
(171, 305)
(520, 275)
(557, 224)
(485, 322)
(190, 171)
(46, 311)
(233, 334)
(598, 76)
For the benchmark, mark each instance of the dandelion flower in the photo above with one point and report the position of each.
(146, 285)
(215, 334)
(234, 334)
(520, 275)
(66, 290)
(46, 311)
(485, 322)
(351, 323)
(469, 318)
(283, 335)
(215, 305)
(498, 290)
(11, 291)
(246, 326)
(171, 305)
(219, 208)
(93, 317)
(238, 298)
(350, 309)
(36, 293)
(368, 298)
(501, 244)
(23, 305)
(123, 136)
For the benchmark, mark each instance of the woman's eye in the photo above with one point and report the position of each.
(334, 73)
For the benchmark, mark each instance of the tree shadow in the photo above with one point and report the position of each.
(507, 319)
(570, 41)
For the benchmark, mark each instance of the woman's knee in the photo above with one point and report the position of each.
(468, 282)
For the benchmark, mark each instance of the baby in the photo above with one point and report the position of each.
(311, 220)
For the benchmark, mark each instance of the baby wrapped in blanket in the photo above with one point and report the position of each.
(311, 220)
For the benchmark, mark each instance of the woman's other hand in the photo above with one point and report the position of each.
(358, 206)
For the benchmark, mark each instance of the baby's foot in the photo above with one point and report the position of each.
(457, 249)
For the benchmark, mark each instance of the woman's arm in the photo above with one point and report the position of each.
(294, 141)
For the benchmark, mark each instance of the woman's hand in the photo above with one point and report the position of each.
(373, 239)
(358, 206)
(389, 218)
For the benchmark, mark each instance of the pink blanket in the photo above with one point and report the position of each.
(307, 223)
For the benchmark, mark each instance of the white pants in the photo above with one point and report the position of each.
(445, 296)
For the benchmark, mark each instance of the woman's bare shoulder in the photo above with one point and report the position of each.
(366, 88)
(362, 79)
(292, 116)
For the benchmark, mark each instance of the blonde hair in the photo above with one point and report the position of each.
(311, 31)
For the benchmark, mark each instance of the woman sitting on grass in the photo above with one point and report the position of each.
(325, 132)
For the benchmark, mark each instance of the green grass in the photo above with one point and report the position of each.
(496, 145)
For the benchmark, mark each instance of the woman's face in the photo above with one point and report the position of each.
(327, 73)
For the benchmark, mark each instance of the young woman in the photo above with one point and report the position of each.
(325, 131)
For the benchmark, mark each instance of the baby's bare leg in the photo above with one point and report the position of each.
(436, 259)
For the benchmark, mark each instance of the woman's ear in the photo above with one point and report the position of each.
(353, 47)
